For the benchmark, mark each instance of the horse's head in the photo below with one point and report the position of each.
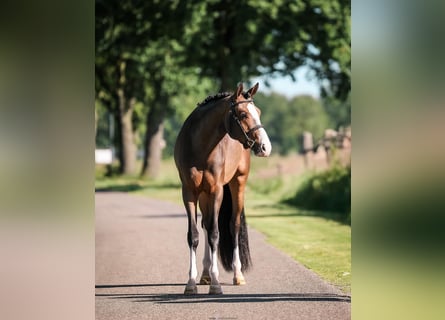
(246, 116)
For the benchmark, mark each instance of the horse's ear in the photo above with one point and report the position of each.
(239, 90)
(253, 90)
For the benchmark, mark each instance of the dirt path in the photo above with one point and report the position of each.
(142, 267)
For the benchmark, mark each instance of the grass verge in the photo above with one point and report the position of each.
(320, 240)
(322, 245)
(165, 187)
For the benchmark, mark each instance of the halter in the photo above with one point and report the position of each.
(249, 142)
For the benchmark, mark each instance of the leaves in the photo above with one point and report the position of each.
(285, 120)
(167, 45)
(329, 190)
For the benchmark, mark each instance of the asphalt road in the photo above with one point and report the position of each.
(142, 267)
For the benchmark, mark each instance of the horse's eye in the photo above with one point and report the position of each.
(243, 115)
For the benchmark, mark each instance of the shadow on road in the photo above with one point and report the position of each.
(225, 298)
(107, 286)
(136, 186)
(121, 188)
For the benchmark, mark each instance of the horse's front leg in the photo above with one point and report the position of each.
(192, 239)
(213, 238)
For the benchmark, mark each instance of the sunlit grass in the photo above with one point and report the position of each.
(320, 244)
(312, 238)
(166, 186)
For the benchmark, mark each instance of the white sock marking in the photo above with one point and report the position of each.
(206, 262)
(236, 261)
(214, 274)
(193, 270)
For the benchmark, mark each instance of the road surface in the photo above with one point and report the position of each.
(142, 267)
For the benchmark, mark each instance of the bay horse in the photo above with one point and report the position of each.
(212, 155)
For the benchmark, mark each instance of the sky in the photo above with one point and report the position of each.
(285, 85)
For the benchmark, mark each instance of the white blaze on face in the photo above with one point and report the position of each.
(264, 138)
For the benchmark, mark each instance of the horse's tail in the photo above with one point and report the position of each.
(226, 245)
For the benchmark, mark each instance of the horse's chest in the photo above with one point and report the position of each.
(221, 165)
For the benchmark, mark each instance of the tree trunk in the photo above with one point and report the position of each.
(154, 140)
(96, 119)
(128, 146)
(117, 140)
(126, 106)
(128, 152)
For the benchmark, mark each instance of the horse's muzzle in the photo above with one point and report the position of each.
(261, 150)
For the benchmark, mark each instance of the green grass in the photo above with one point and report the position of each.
(320, 244)
(166, 186)
(313, 238)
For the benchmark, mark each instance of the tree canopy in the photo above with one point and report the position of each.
(285, 120)
(234, 40)
(150, 53)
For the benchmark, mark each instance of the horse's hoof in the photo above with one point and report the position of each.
(189, 290)
(205, 279)
(239, 281)
(215, 289)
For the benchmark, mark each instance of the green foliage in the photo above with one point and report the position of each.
(146, 36)
(260, 37)
(339, 111)
(102, 126)
(156, 52)
(285, 120)
(183, 104)
(329, 190)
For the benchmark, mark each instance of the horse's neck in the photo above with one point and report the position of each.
(213, 128)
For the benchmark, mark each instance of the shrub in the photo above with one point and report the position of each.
(329, 190)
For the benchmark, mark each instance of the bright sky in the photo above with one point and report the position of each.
(285, 85)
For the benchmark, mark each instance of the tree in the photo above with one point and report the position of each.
(131, 36)
(285, 120)
(146, 51)
(339, 111)
(169, 80)
(118, 73)
(183, 104)
(247, 38)
(102, 126)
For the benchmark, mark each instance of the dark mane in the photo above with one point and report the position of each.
(218, 96)
(214, 97)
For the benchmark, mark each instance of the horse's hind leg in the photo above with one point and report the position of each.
(192, 239)
(206, 262)
(237, 190)
(213, 238)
